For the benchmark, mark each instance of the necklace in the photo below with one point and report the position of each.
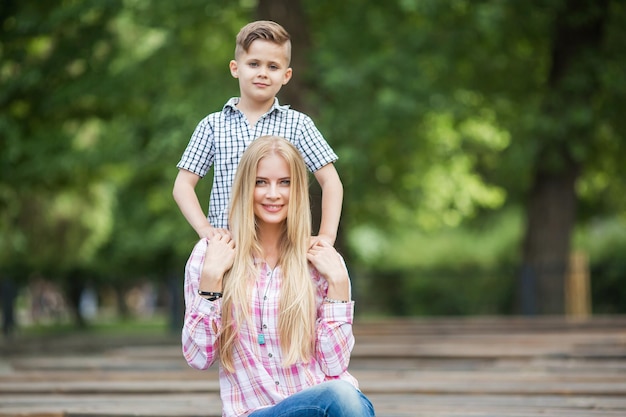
(261, 336)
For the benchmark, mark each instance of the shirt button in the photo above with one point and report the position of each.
(265, 326)
(212, 308)
(276, 382)
(269, 354)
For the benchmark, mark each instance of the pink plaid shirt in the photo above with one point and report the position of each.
(260, 380)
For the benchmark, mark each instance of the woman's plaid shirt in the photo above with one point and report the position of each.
(260, 379)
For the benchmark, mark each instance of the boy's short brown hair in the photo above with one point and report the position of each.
(262, 29)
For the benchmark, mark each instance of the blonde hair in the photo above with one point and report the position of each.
(265, 30)
(297, 310)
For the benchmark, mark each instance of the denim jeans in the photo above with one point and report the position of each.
(329, 399)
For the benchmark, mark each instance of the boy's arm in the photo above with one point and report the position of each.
(184, 193)
(332, 200)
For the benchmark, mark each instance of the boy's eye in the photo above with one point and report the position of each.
(273, 67)
(253, 64)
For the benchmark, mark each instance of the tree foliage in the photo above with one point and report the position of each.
(55, 56)
(442, 112)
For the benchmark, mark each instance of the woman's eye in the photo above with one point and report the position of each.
(260, 182)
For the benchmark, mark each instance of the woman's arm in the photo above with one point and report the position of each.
(334, 337)
(202, 317)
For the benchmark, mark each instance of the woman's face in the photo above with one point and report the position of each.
(271, 190)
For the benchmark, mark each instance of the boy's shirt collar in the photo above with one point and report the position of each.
(232, 103)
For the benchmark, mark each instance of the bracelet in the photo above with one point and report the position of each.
(212, 296)
(330, 300)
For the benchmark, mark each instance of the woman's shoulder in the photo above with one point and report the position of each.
(199, 248)
(316, 277)
(202, 243)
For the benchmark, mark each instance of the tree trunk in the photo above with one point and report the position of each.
(551, 217)
(289, 14)
(74, 284)
(551, 209)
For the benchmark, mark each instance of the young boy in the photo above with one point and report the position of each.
(261, 64)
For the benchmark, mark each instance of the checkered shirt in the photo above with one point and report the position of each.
(220, 139)
(260, 380)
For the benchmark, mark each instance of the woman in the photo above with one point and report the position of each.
(276, 313)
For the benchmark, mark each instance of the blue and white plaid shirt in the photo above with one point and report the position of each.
(221, 138)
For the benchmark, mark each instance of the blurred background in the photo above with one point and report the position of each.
(481, 144)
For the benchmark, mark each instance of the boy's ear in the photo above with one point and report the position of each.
(288, 75)
(233, 68)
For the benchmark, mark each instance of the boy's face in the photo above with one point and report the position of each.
(261, 71)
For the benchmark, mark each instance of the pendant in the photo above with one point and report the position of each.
(261, 339)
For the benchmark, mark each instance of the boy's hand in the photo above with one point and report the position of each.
(210, 232)
(317, 239)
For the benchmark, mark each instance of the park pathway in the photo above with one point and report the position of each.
(436, 367)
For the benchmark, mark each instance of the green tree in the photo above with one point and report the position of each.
(432, 92)
(55, 75)
(565, 132)
(444, 114)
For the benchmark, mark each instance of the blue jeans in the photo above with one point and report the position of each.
(329, 399)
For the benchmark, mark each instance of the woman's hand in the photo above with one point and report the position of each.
(327, 261)
(218, 259)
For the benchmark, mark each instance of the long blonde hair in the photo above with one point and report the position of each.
(297, 311)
